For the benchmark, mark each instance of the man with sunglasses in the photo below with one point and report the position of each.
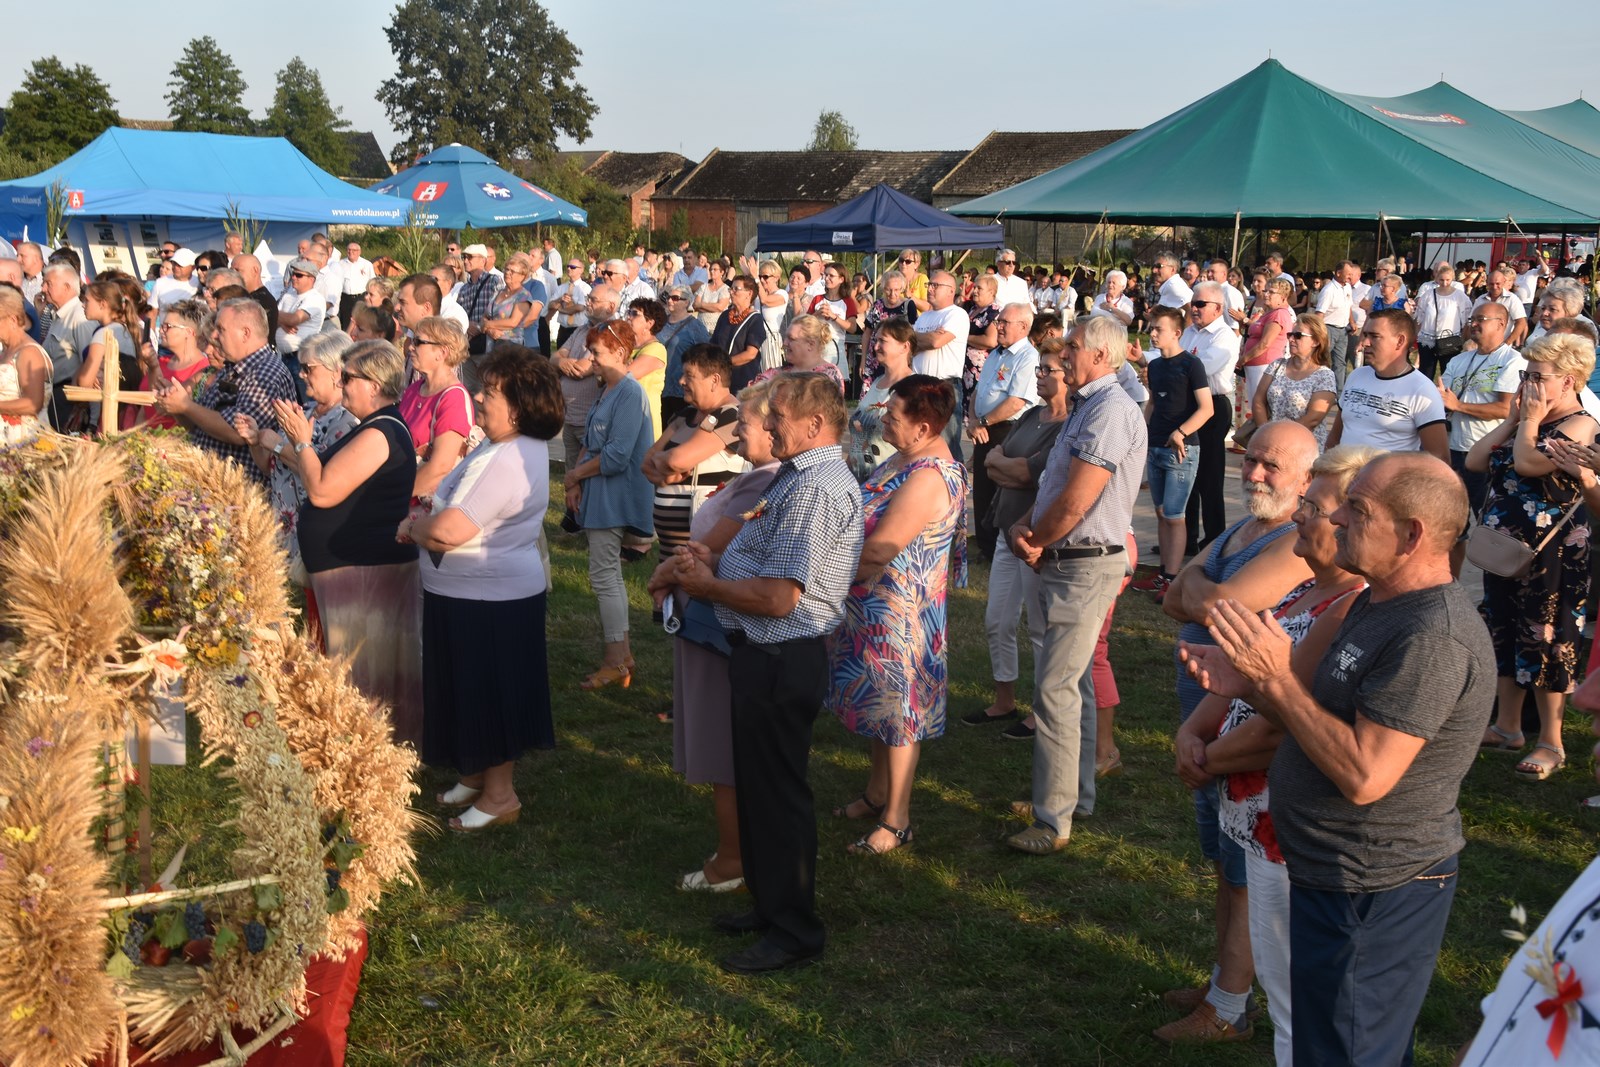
(1010, 288)
(1476, 389)
(1173, 292)
(567, 301)
(301, 309)
(253, 376)
(1209, 339)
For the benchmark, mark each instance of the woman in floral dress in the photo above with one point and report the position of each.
(1535, 621)
(888, 660)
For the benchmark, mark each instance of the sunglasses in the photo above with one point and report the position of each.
(1202, 303)
(574, 266)
(673, 300)
(345, 378)
(1296, 334)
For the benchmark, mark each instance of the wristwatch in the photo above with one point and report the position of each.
(277, 449)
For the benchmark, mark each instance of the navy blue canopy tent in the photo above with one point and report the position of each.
(879, 220)
(456, 186)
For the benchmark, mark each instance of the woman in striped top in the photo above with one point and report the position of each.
(694, 454)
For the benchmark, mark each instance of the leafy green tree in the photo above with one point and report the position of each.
(57, 111)
(832, 134)
(301, 112)
(206, 93)
(453, 59)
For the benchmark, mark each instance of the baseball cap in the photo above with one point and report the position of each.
(183, 257)
(475, 250)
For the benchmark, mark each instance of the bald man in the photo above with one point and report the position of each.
(248, 267)
(1477, 387)
(1381, 730)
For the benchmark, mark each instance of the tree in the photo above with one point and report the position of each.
(57, 110)
(495, 75)
(301, 112)
(206, 93)
(832, 134)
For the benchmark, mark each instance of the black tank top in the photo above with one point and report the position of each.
(359, 530)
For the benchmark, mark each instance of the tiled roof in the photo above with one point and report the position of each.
(628, 172)
(822, 177)
(1001, 160)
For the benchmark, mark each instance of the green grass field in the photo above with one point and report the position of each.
(562, 939)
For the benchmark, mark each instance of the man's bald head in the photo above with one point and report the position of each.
(605, 299)
(248, 268)
(1415, 487)
(11, 272)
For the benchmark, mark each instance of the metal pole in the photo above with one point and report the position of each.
(1233, 260)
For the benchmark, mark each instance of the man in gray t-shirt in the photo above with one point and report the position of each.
(1381, 731)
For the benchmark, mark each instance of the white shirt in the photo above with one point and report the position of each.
(356, 274)
(1334, 304)
(311, 302)
(1007, 373)
(1527, 284)
(1217, 347)
(552, 262)
(580, 293)
(945, 361)
(171, 290)
(1128, 378)
(450, 308)
(1439, 312)
(1012, 290)
(1509, 301)
(1122, 303)
(1067, 303)
(1388, 413)
(1175, 293)
(1479, 378)
(1232, 300)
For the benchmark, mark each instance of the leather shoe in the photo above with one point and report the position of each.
(740, 923)
(1203, 1026)
(764, 956)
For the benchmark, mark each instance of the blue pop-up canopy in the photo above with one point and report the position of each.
(22, 213)
(456, 186)
(879, 220)
(168, 174)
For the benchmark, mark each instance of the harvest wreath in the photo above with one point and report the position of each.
(129, 566)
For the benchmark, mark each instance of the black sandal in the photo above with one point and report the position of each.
(872, 812)
(864, 848)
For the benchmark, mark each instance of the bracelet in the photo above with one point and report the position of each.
(301, 447)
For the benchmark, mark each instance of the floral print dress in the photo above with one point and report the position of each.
(887, 664)
(1535, 621)
(288, 492)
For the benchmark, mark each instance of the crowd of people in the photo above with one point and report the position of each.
(800, 462)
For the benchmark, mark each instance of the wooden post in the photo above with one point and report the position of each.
(141, 735)
(1233, 260)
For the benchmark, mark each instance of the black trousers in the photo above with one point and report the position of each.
(984, 490)
(347, 307)
(777, 691)
(1207, 504)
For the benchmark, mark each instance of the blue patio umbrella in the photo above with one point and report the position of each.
(456, 186)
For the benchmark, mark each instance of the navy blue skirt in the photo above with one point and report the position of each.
(485, 681)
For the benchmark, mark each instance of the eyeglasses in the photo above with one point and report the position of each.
(673, 300)
(574, 266)
(809, 261)
(610, 273)
(345, 378)
(1008, 263)
(940, 285)
(908, 259)
(1202, 303)
(300, 274)
(168, 252)
(1310, 508)
(1044, 372)
(1295, 335)
(1535, 376)
(171, 325)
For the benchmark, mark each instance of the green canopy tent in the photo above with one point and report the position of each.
(1471, 132)
(1577, 123)
(1272, 149)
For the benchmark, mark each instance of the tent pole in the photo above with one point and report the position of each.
(1233, 260)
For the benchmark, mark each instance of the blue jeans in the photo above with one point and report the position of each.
(1359, 966)
(1171, 478)
(1215, 845)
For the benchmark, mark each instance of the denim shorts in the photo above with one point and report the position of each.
(1217, 846)
(1171, 478)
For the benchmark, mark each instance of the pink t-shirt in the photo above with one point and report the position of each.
(428, 416)
(1274, 351)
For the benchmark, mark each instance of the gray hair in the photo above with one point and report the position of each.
(883, 282)
(220, 276)
(1026, 309)
(381, 362)
(1118, 276)
(58, 266)
(615, 264)
(1168, 259)
(197, 313)
(1103, 332)
(1385, 263)
(1210, 288)
(251, 310)
(326, 350)
(1004, 252)
(1568, 293)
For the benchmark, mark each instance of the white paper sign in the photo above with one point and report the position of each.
(844, 237)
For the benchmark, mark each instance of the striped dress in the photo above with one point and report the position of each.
(675, 504)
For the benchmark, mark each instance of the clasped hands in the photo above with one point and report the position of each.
(1250, 648)
(688, 568)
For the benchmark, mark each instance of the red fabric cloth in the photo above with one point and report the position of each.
(318, 1040)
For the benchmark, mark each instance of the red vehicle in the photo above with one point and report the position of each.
(1496, 248)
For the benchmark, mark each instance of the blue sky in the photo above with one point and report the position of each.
(933, 75)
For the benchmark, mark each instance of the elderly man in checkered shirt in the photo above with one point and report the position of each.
(1075, 537)
(253, 377)
(779, 590)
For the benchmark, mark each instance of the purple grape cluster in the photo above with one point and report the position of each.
(194, 920)
(255, 936)
(134, 939)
